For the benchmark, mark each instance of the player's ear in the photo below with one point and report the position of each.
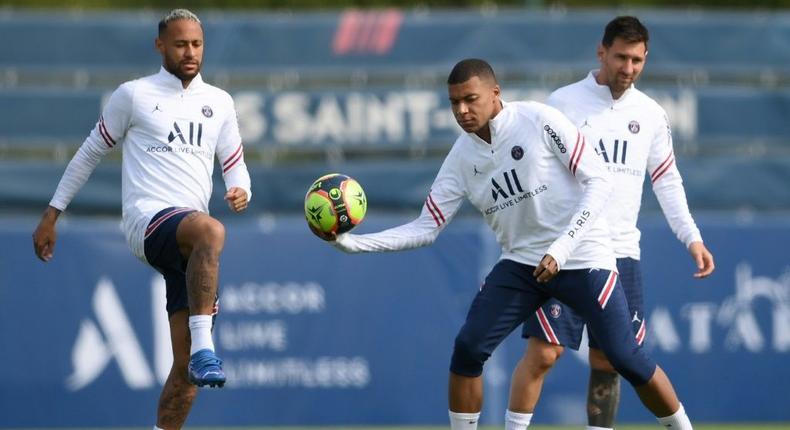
(159, 45)
(600, 51)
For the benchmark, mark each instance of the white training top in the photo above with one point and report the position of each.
(632, 136)
(169, 136)
(539, 186)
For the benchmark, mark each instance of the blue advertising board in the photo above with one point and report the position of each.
(312, 336)
(381, 119)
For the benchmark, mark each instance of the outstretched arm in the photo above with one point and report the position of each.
(421, 232)
(443, 201)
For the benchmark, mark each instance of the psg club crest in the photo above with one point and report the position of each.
(517, 152)
(555, 310)
(633, 127)
(208, 113)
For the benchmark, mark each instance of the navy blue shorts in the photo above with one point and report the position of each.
(511, 294)
(558, 324)
(162, 253)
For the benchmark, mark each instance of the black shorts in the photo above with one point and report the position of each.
(511, 294)
(557, 323)
(162, 253)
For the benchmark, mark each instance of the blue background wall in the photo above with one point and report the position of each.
(320, 337)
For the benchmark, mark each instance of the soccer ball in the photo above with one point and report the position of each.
(335, 203)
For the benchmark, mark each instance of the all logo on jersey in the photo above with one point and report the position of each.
(194, 138)
(207, 112)
(619, 151)
(508, 192)
(511, 180)
(633, 127)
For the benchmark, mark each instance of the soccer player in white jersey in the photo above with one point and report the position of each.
(170, 125)
(631, 135)
(540, 187)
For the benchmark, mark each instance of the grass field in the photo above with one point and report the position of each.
(780, 426)
(536, 427)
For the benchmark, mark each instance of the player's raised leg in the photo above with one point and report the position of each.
(201, 239)
(177, 395)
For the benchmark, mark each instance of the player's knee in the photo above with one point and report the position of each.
(542, 356)
(468, 356)
(213, 232)
(206, 232)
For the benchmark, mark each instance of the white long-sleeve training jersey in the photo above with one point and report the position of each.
(632, 136)
(539, 186)
(169, 136)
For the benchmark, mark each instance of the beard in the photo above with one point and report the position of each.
(178, 70)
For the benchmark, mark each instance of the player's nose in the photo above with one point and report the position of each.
(628, 67)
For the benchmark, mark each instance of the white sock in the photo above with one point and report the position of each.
(677, 421)
(157, 428)
(598, 428)
(516, 420)
(464, 421)
(200, 328)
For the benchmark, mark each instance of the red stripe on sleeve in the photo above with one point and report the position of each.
(104, 134)
(227, 160)
(575, 150)
(436, 207)
(579, 156)
(662, 167)
(435, 219)
(236, 161)
(660, 174)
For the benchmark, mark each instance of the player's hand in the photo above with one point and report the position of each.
(546, 270)
(703, 258)
(237, 199)
(45, 236)
(327, 236)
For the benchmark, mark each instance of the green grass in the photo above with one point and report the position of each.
(538, 427)
(535, 427)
